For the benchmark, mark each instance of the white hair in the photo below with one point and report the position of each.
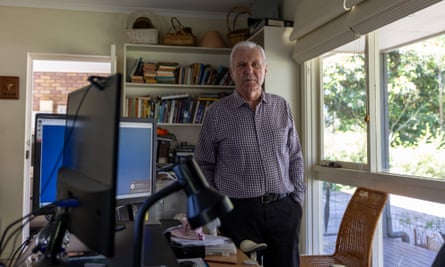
(250, 45)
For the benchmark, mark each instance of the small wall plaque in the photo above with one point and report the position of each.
(9, 87)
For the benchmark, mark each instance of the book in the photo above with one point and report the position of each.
(199, 111)
(133, 68)
(255, 24)
(167, 96)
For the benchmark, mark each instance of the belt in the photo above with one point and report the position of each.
(264, 199)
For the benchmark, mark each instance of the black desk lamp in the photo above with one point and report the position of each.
(204, 203)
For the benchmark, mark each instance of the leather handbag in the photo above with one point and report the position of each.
(179, 35)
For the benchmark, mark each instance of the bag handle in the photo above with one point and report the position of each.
(242, 10)
(176, 24)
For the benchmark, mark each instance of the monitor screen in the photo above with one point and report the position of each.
(136, 158)
(89, 171)
(49, 134)
(136, 170)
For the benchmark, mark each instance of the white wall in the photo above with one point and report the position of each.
(24, 30)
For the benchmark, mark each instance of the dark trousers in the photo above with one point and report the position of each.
(277, 224)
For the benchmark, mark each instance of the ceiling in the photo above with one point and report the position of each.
(198, 7)
(422, 24)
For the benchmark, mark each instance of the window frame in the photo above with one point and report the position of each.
(365, 175)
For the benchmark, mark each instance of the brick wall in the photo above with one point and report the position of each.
(55, 86)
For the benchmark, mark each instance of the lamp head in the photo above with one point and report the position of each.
(204, 204)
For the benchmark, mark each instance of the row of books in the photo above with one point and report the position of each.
(174, 73)
(171, 108)
(204, 74)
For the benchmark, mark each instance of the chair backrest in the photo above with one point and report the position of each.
(354, 240)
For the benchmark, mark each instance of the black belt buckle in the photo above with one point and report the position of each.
(268, 198)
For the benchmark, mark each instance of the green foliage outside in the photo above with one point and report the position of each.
(415, 84)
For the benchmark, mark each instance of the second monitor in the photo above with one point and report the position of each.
(136, 159)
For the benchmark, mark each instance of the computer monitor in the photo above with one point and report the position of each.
(136, 174)
(86, 182)
(49, 135)
(136, 159)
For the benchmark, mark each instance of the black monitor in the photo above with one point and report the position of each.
(86, 182)
(90, 159)
(136, 159)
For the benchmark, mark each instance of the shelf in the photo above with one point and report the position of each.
(176, 86)
(176, 49)
(180, 124)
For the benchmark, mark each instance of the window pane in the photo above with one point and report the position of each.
(344, 104)
(413, 230)
(415, 77)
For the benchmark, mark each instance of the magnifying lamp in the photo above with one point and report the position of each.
(204, 204)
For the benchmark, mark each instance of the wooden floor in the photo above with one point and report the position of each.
(396, 253)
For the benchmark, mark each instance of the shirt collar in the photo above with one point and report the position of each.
(239, 101)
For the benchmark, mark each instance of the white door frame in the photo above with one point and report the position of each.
(29, 116)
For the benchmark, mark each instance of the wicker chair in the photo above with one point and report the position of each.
(356, 232)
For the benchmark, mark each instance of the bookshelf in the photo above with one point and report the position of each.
(136, 90)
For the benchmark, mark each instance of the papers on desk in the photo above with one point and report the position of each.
(206, 241)
(214, 245)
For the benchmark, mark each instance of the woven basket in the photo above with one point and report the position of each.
(179, 35)
(144, 36)
(237, 35)
(141, 35)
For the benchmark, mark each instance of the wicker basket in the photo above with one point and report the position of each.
(179, 35)
(141, 35)
(144, 36)
(237, 35)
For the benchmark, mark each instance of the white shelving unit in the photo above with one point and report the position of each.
(282, 71)
(183, 55)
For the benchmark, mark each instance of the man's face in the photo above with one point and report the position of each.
(248, 70)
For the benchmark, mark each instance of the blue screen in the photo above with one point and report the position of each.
(135, 158)
(52, 158)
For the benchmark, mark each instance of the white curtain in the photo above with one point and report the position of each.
(326, 24)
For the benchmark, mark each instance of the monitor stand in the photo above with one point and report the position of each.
(54, 248)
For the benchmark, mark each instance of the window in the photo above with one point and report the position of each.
(414, 88)
(344, 104)
(381, 119)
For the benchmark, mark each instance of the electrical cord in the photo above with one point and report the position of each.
(50, 208)
(19, 252)
(2, 246)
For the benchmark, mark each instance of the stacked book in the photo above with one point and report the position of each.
(166, 72)
(183, 151)
(256, 24)
(149, 72)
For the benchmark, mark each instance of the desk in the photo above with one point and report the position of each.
(240, 258)
(156, 250)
